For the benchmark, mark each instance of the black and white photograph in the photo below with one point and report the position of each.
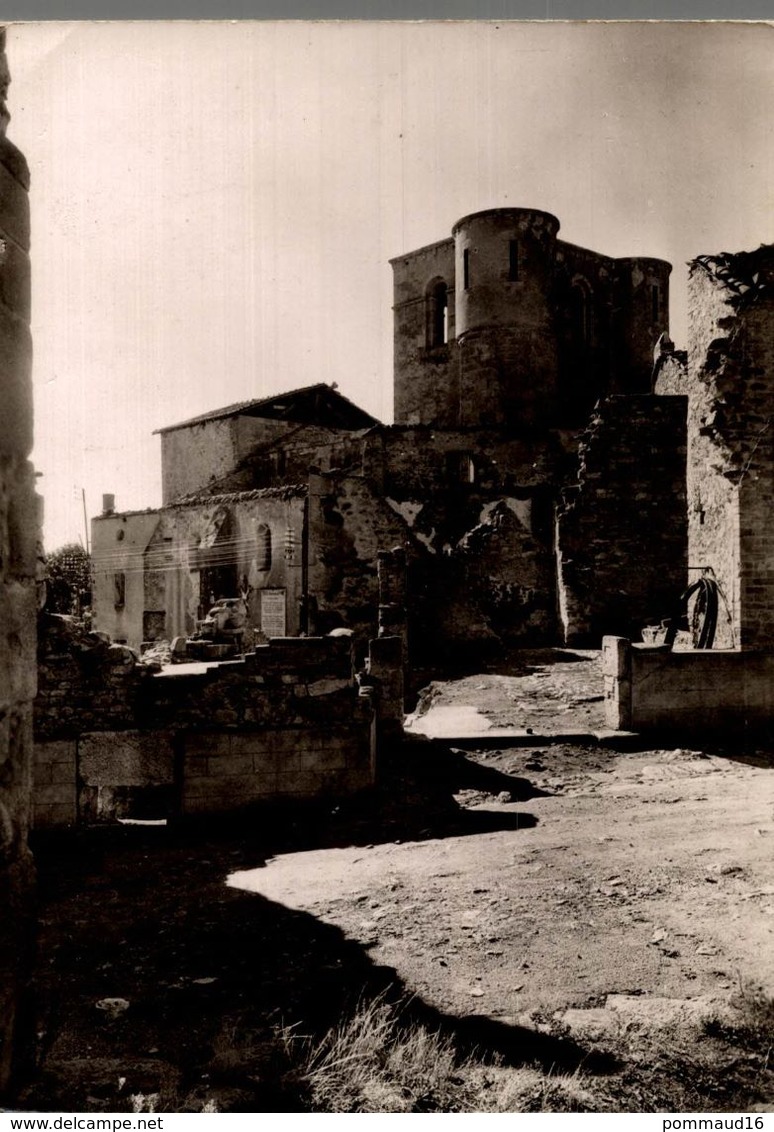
(387, 568)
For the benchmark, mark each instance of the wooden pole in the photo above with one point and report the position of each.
(85, 520)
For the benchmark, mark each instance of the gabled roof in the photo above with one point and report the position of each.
(319, 404)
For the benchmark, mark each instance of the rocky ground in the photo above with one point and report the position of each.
(543, 690)
(569, 907)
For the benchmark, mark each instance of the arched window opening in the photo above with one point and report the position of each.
(437, 315)
(119, 590)
(263, 547)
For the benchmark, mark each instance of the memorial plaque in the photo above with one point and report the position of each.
(273, 613)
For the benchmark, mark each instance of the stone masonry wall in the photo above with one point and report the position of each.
(621, 531)
(84, 682)
(19, 535)
(287, 721)
(349, 523)
(426, 374)
(731, 436)
(498, 583)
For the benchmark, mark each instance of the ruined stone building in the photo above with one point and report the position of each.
(19, 537)
(534, 478)
(727, 375)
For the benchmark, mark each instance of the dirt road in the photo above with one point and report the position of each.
(569, 899)
(643, 874)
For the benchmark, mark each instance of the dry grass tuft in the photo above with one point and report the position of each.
(375, 1061)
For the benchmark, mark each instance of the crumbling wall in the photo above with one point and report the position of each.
(19, 535)
(193, 457)
(286, 456)
(119, 543)
(640, 316)
(440, 481)
(242, 452)
(498, 583)
(208, 457)
(84, 682)
(288, 720)
(731, 436)
(621, 529)
(254, 539)
(349, 523)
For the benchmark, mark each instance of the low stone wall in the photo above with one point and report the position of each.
(55, 790)
(701, 691)
(223, 768)
(290, 720)
(84, 682)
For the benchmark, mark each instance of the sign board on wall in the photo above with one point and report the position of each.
(273, 613)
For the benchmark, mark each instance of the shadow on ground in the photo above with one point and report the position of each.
(210, 981)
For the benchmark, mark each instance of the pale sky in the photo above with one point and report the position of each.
(214, 204)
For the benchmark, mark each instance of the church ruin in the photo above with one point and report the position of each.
(533, 476)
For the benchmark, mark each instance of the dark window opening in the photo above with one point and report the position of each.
(438, 315)
(655, 302)
(513, 261)
(263, 547)
(153, 625)
(279, 462)
(119, 590)
(466, 269)
(461, 467)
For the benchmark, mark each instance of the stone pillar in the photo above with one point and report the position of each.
(385, 667)
(19, 536)
(617, 672)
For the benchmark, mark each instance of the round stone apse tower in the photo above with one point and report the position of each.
(504, 320)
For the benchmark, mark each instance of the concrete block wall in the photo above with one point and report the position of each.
(19, 537)
(287, 721)
(223, 771)
(55, 788)
(699, 692)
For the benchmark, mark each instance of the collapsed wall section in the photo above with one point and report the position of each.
(349, 523)
(621, 537)
(497, 584)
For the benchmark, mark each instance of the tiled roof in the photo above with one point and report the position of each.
(284, 491)
(253, 408)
